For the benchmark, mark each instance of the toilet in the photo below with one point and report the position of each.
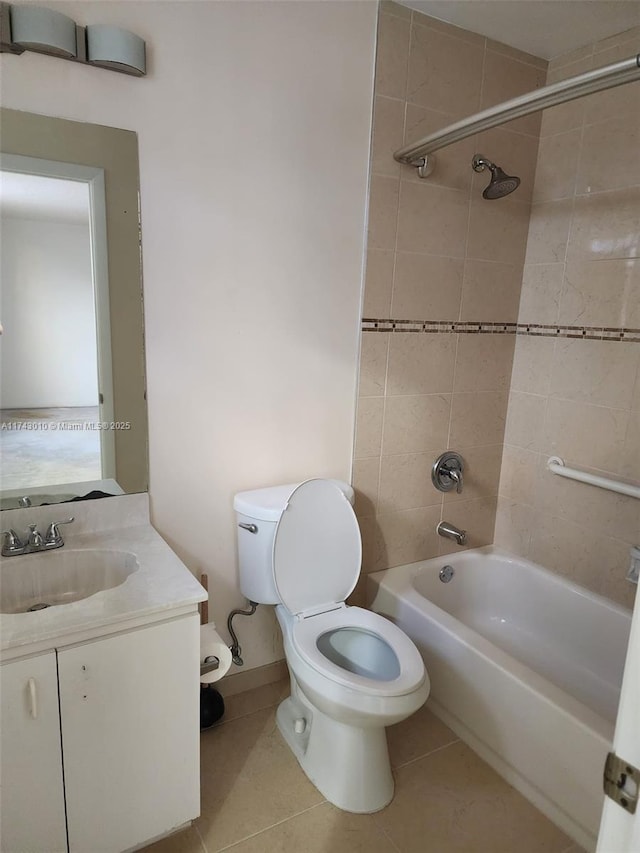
(353, 672)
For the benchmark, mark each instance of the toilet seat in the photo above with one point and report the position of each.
(317, 549)
(305, 634)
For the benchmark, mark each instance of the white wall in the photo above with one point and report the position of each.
(254, 127)
(47, 295)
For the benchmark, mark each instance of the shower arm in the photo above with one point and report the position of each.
(616, 74)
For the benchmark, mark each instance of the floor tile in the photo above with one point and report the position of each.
(323, 829)
(452, 802)
(187, 841)
(250, 780)
(417, 736)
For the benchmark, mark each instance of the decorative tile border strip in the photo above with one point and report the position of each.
(590, 333)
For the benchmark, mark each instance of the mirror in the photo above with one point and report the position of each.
(73, 417)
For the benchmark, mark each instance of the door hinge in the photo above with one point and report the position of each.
(621, 781)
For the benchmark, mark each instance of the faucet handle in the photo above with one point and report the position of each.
(11, 543)
(53, 535)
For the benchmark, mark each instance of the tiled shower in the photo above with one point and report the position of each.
(507, 330)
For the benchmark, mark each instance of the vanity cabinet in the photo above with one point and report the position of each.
(128, 722)
(31, 766)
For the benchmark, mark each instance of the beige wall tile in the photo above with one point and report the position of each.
(514, 53)
(585, 435)
(369, 427)
(414, 424)
(432, 219)
(601, 293)
(483, 362)
(549, 231)
(505, 78)
(481, 473)
(498, 229)
(445, 73)
(378, 284)
(392, 56)
(518, 475)
(623, 100)
(525, 420)
(513, 527)
(606, 225)
(532, 360)
(557, 166)
(387, 7)
(598, 372)
(427, 287)
(541, 292)
(490, 291)
(562, 118)
(570, 549)
(373, 363)
(388, 124)
(453, 163)
(405, 482)
(477, 517)
(365, 480)
(609, 155)
(406, 537)
(477, 419)
(448, 29)
(383, 212)
(421, 364)
(631, 451)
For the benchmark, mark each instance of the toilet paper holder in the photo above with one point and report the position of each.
(210, 663)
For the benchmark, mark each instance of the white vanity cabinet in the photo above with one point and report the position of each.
(32, 792)
(129, 725)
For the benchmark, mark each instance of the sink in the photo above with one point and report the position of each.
(37, 581)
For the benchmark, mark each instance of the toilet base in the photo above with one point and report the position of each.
(347, 764)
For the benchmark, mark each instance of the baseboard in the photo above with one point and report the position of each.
(239, 682)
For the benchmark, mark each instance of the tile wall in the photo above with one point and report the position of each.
(438, 253)
(579, 399)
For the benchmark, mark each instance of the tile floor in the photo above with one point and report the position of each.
(256, 799)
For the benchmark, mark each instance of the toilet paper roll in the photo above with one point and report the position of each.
(211, 643)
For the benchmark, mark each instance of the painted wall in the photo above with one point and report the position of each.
(574, 397)
(254, 129)
(438, 254)
(47, 296)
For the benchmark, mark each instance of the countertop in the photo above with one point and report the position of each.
(160, 585)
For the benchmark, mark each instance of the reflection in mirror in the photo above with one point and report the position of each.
(73, 413)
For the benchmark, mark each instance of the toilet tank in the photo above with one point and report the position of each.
(263, 508)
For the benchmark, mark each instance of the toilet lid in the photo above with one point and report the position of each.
(317, 548)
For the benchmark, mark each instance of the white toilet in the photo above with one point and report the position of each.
(352, 671)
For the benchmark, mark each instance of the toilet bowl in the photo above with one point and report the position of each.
(353, 672)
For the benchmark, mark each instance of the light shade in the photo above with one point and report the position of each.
(43, 30)
(115, 48)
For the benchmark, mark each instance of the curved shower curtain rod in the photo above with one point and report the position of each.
(616, 74)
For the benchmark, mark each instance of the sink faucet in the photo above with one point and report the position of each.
(450, 531)
(12, 545)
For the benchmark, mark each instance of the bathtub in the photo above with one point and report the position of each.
(525, 667)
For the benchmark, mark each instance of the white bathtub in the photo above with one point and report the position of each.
(525, 667)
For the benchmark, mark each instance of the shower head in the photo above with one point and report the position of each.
(500, 184)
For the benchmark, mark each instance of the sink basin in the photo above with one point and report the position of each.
(48, 579)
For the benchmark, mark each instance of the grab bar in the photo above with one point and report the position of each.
(556, 465)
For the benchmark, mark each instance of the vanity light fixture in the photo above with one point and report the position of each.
(35, 28)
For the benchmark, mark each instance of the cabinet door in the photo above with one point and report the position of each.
(129, 707)
(32, 794)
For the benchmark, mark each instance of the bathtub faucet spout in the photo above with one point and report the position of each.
(450, 531)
